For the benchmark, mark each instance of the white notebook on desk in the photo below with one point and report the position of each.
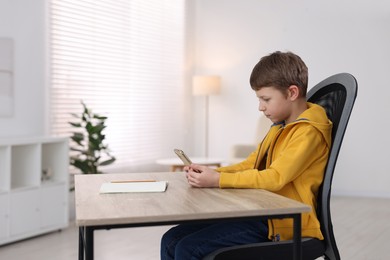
(156, 186)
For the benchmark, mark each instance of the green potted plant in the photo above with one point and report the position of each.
(88, 150)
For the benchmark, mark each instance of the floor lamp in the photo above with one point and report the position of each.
(206, 86)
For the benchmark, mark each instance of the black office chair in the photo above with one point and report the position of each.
(337, 95)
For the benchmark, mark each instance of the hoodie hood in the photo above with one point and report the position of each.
(316, 116)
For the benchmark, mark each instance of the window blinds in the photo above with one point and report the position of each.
(124, 59)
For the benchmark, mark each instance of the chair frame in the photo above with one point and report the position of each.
(312, 248)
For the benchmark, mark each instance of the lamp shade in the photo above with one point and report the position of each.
(206, 85)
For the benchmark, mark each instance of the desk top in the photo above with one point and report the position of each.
(180, 202)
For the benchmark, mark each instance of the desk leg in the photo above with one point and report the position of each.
(81, 243)
(85, 243)
(297, 251)
(88, 243)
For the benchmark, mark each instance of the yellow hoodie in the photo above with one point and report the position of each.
(297, 154)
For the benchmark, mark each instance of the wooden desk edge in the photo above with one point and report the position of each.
(172, 219)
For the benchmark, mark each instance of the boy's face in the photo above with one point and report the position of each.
(275, 105)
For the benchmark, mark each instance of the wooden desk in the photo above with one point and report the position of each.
(177, 165)
(180, 203)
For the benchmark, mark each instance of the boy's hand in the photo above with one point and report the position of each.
(201, 176)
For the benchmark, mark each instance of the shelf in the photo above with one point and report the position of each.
(54, 161)
(34, 186)
(24, 188)
(25, 166)
(49, 183)
(5, 167)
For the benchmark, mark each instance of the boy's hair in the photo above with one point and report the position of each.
(280, 70)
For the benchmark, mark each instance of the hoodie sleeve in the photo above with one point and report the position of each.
(303, 148)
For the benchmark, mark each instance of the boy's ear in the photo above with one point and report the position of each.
(293, 91)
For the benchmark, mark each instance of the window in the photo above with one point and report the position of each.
(125, 60)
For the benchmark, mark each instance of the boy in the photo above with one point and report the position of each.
(290, 161)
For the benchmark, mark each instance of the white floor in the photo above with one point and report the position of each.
(361, 226)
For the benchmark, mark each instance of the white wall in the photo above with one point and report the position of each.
(24, 22)
(331, 37)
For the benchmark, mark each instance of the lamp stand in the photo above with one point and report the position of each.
(206, 86)
(206, 133)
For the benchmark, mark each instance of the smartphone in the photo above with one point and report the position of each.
(183, 156)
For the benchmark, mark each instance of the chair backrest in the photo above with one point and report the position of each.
(337, 95)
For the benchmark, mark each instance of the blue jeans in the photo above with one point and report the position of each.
(195, 241)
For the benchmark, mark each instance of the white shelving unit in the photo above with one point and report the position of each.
(34, 187)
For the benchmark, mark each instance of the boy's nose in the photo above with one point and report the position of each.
(261, 108)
